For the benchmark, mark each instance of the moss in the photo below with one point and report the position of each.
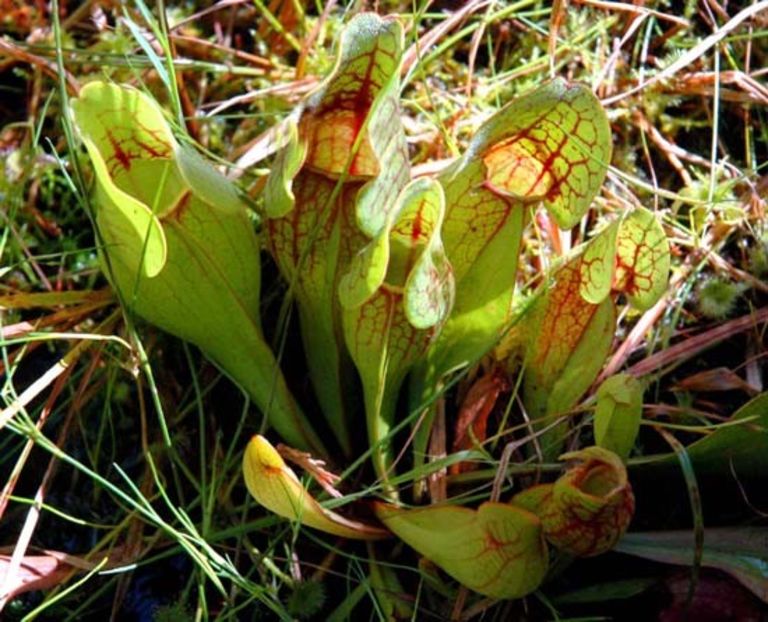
(717, 297)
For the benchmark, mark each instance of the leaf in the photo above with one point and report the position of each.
(618, 413)
(278, 191)
(742, 448)
(429, 287)
(496, 550)
(630, 256)
(418, 265)
(275, 486)
(178, 244)
(366, 272)
(642, 259)
(332, 189)
(588, 508)
(571, 326)
(597, 265)
(716, 379)
(397, 292)
(568, 340)
(40, 572)
(124, 130)
(608, 590)
(551, 146)
(345, 130)
(475, 409)
(206, 183)
(556, 147)
(741, 552)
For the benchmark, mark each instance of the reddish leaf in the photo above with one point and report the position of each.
(475, 410)
(717, 379)
(568, 340)
(588, 508)
(642, 259)
(332, 189)
(42, 572)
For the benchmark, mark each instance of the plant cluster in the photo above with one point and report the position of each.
(462, 327)
(396, 276)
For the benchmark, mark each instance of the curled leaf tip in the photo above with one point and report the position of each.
(554, 146)
(642, 259)
(181, 248)
(275, 486)
(587, 510)
(336, 123)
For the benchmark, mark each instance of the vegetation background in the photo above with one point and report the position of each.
(112, 520)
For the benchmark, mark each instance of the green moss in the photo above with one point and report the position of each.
(717, 297)
(306, 600)
(758, 257)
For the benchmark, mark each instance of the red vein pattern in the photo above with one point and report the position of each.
(354, 166)
(549, 146)
(496, 550)
(642, 259)
(587, 510)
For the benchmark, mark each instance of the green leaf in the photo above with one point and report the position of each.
(366, 273)
(123, 131)
(389, 327)
(608, 590)
(497, 550)
(275, 486)
(642, 259)
(554, 145)
(179, 246)
(206, 182)
(741, 447)
(597, 265)
(278, 192)
(741, 552)
(429, 288)
(571, 326)
(333, 188)
(390, 594)
(588, 508)
(551, 146)
(414, 232)
(618, 413)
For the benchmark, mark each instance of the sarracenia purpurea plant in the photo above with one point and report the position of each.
(403, 281)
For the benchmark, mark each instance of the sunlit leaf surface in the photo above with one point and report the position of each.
(551, 146)
(555, 148)
(598, 264)
(275, 486)
(568, 339)
(397, 291)
(333, 188)
(642, 259)
(179, 246)
(497, 550)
